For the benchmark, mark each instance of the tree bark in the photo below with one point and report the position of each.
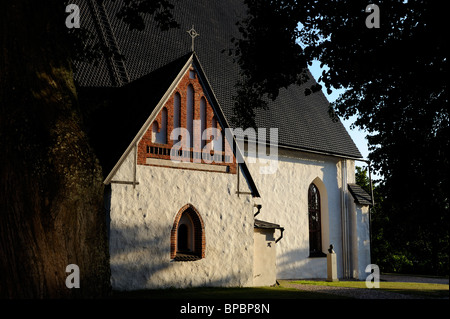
(51, 191)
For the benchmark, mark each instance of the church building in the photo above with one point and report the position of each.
(193, 200)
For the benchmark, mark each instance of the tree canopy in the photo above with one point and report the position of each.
(51, 190)
(50, 181)
(395, 85)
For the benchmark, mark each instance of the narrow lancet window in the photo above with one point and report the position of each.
(315, 227)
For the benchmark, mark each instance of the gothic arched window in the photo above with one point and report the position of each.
(183, 238)
(315, 226)
(188, 235)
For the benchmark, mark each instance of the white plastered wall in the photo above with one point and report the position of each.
(361, 241)
(284, 199)
(264, 264)
(142, 219)
(358, 228)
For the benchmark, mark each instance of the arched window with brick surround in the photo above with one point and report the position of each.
(187, 242)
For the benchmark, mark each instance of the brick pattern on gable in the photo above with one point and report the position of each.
(148, 149)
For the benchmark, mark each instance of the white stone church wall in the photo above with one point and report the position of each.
(142, 219)
(361, 241)
(284, 199)
(264, 266)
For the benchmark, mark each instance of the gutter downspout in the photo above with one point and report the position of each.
(259, 210)
(344, 228)
(370, 211)
(281, 236)
(373, 204)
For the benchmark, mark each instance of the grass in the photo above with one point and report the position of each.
(278, 292)
(421, 290)
(424, 290)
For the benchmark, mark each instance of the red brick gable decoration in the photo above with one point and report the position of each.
(189, 109)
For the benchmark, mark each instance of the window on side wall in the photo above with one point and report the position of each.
(315, 222)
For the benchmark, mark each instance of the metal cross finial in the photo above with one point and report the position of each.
(193, 35)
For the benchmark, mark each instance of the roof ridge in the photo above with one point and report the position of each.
(303, 121)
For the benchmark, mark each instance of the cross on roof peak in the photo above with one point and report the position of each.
(193, 35)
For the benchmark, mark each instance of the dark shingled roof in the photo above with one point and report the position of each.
(360, 195)
(266, 225)
(117, 114)
(303, 121)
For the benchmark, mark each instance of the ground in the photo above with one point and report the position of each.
(391, 287)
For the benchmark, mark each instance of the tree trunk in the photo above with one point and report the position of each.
(51, 191)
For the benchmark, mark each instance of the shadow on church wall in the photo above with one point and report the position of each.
(140, 259)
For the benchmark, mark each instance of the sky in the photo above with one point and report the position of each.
(358, 135)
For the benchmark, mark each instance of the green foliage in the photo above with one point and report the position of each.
(421, 290)
(395, 82)
(402, 246)
(362, 179)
